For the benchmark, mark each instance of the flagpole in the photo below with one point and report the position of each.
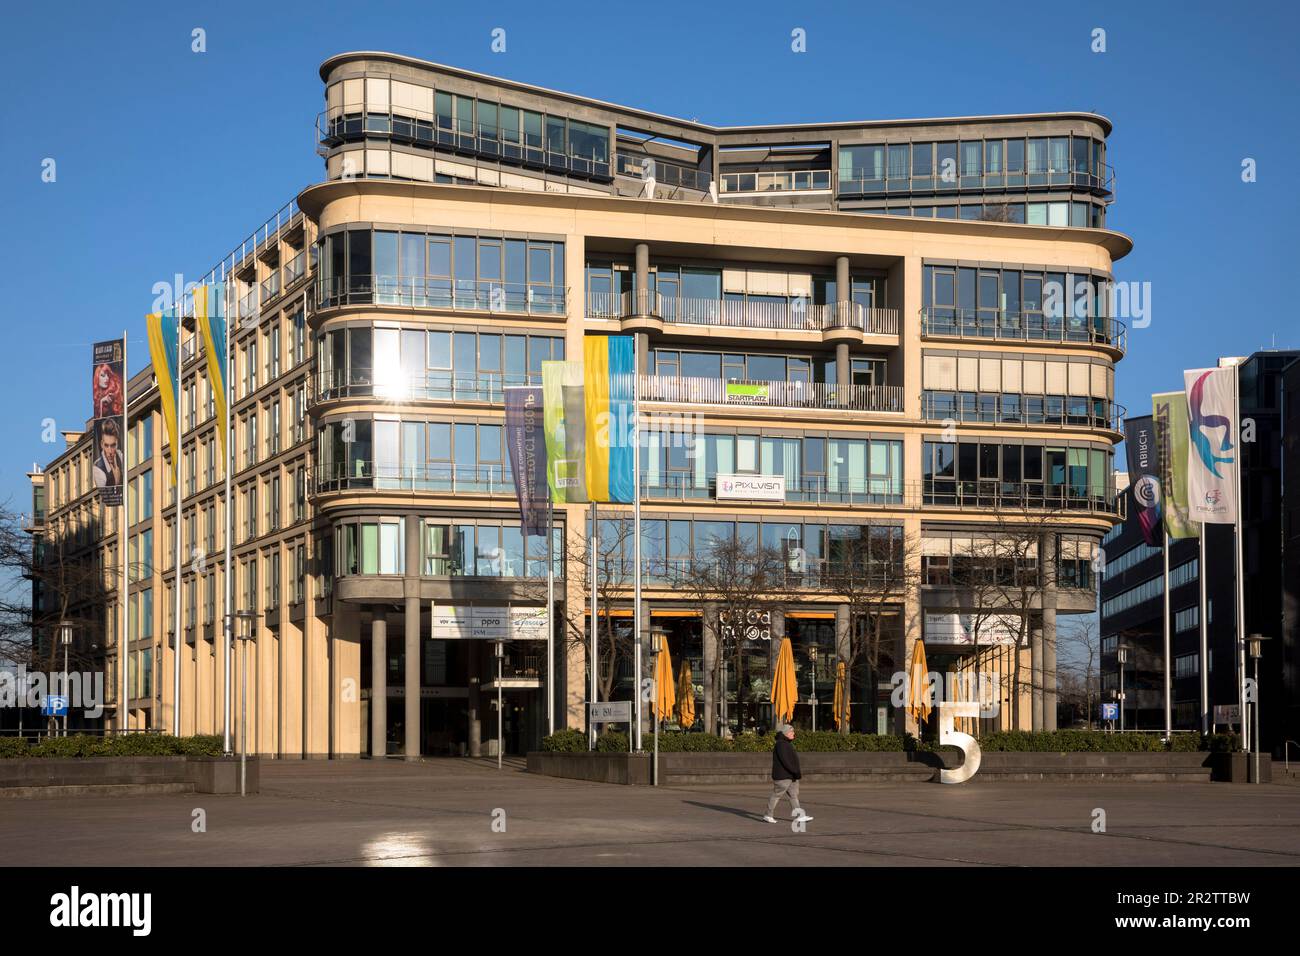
(550, 609)
(123, 650)
(227, 620)
(1241, 583)
(593, 544)
(180, 498)
(1205, 643)
(1169, 683)
(636, 527)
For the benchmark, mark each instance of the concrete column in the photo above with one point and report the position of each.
(378, 682)
(1049, 668)
(843, 370)
(843, 289)
(411, 619)
(474, 665)
(842, 649)
(710, 663)
(1036, 676)
(643, 353)
(642, 304)
(647, 673)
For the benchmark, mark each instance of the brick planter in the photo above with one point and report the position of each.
(70, 776)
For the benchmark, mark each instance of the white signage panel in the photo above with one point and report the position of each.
(751, 487)
(971, 629)
(458, 622)
(610, 711)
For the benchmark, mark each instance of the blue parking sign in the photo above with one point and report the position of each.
(54, 705)
(1110, 711)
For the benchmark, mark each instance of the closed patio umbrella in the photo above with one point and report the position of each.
(841, 699)
(665, 694)
(784, 690)
(685, 709)
(918, 688)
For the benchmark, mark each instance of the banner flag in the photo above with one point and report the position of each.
(526, 442)
(609, 373)
(564, 417)
(164, 352)
(210, 317)
(1144, 476)
(108, 395)
(1212, 445)
(1169, 409)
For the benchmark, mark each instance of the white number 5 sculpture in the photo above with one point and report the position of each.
(970, 748)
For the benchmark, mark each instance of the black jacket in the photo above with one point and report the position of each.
(785, 760)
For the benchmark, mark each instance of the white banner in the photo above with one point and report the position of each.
(751, 487)
(488, 623)
(940, 628)
(1213, 449)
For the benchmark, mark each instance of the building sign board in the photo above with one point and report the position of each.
(751, 487)
(946, 628)
(610, 711)
(456, 622)
(748, 393)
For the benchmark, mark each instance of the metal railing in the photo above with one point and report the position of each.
(450, 478)
(797, 394)
(294, 268)
(1017, 496)
(248, 304)
(1056, 411)
(431, 131)
(945, 322)
(271, 286)
(437, 386)
(433, 293)
(792, 315)
(796, 180)
(806, 489)
(1082, 176)
(665, 173)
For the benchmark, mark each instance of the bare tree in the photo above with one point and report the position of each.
(746, 582)
(872, 574)
(1079, 668)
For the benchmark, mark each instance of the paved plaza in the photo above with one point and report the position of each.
(442, 813)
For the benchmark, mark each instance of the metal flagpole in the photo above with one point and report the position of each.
(636, 528)
(593, 655)
(1204, 663)
(180, 498)
(1241, 583)
(227, 620)
(123, 641)
(1169, 682)
(550, 612)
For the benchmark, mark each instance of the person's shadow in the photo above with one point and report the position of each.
(734, 811)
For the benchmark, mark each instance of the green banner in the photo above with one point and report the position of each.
(1169, 409)
(564, 418)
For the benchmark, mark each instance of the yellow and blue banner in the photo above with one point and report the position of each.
(210, 317)
(608, 377)
(164, 352)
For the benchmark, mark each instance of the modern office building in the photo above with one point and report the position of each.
(864, 310)
(1132, 587)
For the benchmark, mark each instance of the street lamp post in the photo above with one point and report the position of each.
(1255, 646)
(245, 635)
(1121, 657)
(501, 653)
(812, 661)
(65, 638)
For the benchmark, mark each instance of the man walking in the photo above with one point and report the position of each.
(785, 774)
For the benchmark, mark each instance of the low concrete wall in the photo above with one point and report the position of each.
(684, 769)
(65, 776)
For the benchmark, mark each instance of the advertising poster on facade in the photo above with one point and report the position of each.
(108, 399)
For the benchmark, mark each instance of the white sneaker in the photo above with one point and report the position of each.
(802, 817)
(769, 819)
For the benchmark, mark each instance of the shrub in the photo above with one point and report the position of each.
(611, 742)
(1088, 741)
(565, 742)
(127, 745)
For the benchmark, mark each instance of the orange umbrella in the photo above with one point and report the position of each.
(918, 688)
(665, 694)
(841, 699)
(784, 690)
(685, 708)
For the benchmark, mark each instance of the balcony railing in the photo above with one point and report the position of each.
(743, 314)
(900, 181)
(1030, 411)
(248, 306)
(734, 393)
(432, 293)
(418, 128)
(271, 286)
(866, 492)
(665, 173)
(944, 322)
(294, 268)
(797, 180)
(437, 386)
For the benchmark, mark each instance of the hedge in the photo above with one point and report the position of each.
(128, 745)
(825, 741)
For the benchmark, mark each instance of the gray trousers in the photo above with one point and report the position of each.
(784, 788)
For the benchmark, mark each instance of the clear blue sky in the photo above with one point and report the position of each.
(166, 158)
